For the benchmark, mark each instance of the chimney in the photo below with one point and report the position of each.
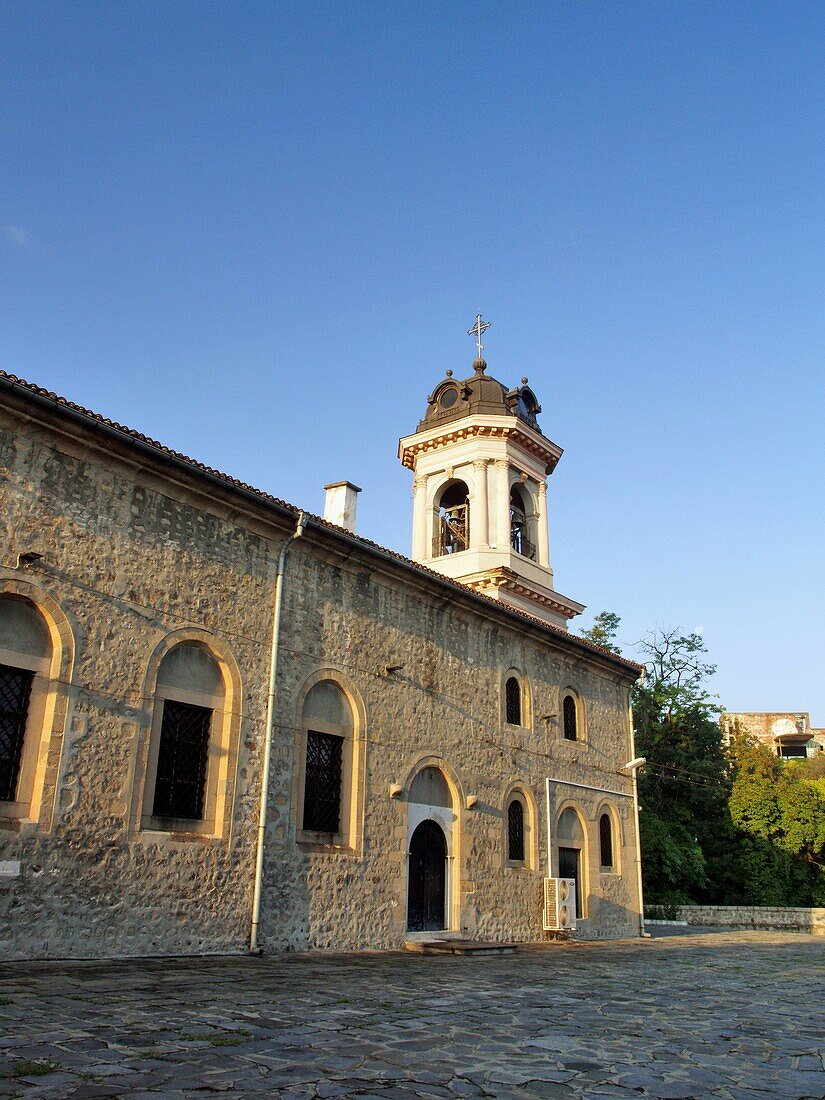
(340, 504)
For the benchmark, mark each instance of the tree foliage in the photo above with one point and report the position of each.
(683, 790)
(724, 824)
(604, 630)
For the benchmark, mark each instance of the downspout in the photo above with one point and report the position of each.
(270, 718)
(634, 765)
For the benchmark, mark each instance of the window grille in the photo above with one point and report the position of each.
(515, 831)
(15, 689)
(322, 789)
(606, 840)
(569, 716)
(512, 700)
(182, 758)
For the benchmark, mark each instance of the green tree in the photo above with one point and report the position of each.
(683, 790)
(780, 816)
(604, 630)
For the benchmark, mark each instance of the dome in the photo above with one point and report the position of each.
(480, 394)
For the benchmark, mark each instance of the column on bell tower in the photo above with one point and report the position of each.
(541, 520)
(502, 483)
(419, 548)
(480, 513)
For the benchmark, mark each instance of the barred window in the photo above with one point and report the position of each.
(182, 760)
(26, 654)
(569, 717)
(322, 790)
(515, 831)
(606, 841)
(189, 710)
(15, 690)
(512, 699)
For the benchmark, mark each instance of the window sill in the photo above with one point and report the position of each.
(335, 843)
(12, 824)
(518, 867)
(178, 831)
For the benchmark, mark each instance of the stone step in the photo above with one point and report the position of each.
(459, 947)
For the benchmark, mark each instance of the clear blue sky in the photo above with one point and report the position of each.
(259, 232)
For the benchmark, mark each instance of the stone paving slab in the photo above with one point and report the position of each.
(737, 1015)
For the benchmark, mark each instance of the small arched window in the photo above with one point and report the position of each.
(190, 690)
(519, 529)
(452, 529)
(329, 725)
(25, 655)
(606, 842)
(512, 701)
(515, 831)
(569, 718)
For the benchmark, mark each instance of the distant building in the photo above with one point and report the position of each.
(787, 733)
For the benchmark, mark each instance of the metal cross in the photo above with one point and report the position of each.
(477, 329)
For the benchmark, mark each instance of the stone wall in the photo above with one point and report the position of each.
(138, 554)
(753, 916)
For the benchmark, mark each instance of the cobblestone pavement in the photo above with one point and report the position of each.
(735, 1015)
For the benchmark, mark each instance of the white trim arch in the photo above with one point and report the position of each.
(224, 738)
(449, 820)
(583, 847)
(353, 767)
(525, 698)
(569, 689)
(48, 712)
(616, 836)
(522, 791)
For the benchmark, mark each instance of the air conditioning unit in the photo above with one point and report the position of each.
(559, 904)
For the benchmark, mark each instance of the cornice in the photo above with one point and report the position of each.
(505, 578)
(492, 427)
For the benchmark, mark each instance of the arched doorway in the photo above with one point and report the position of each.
(427, 883)
(571, 842)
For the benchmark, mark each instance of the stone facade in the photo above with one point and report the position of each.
(144, 550)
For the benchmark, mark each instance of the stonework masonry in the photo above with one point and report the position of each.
(142, 551)
(776, 917)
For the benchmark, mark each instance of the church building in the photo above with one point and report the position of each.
(228, 724)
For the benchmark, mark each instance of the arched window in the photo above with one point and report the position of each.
(515, 831)
(328, 723)
(452, 527)
(606, 842)
(512, 701)
(569, 718)
(519, 530)
(25, 657)
(189, 695)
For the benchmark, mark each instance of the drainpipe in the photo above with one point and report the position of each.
(270, 717)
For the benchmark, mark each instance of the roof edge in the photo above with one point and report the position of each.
(157, 450)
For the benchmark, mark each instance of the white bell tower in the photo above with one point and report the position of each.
(480, 466)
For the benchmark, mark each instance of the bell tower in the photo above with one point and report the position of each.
(480, 465)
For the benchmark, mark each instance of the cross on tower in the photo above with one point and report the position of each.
(478, 328)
